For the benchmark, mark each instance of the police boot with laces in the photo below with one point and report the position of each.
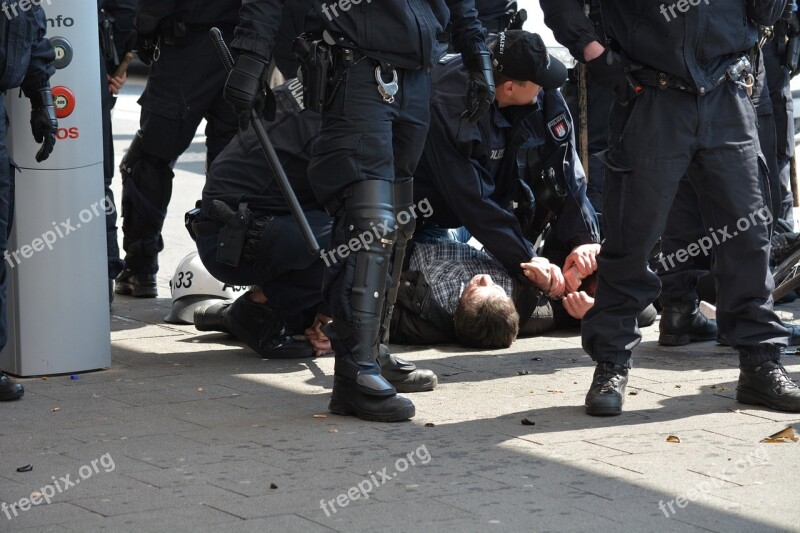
(682, 323)
(135, 284)
(768, 384)
(9, 390)
(404, 375)
(607, 393)
(261, 328)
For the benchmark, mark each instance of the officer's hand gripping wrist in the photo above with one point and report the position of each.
(613, 72)
(44, 124)
(247, 89)
(480, 85)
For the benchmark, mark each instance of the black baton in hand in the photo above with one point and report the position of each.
(269, 151)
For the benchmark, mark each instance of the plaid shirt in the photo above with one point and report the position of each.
(449, 266)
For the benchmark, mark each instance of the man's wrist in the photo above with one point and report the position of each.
(592, 51)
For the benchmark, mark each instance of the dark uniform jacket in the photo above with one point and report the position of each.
(470, 176)
(26, 56)
(197, 14)
(401, 32)
(248, 178)
(715, 33)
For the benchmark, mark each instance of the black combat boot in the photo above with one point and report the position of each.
(9, 390)
(768, 384)
(130, 283)
(682, 323)
(607, 393)
(212, 317)
(358, 387)
(404, 375)
(261, 328)
(359, 390)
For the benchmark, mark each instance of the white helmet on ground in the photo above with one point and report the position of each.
(193, 286)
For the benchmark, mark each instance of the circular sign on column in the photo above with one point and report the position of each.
(63, 50)
(64, 101)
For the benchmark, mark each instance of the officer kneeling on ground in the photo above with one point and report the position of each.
(269, 251)
(471, 175)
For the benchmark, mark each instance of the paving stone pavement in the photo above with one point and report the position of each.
(191, 431)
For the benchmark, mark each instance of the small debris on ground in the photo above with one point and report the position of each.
(273, 486)
(527, 422)
(673, 439)
(55, 409)
(633, 393)
(429, 425)
(536, 359)
(320, 416)
(784, 436)
(26, 468)
(523, 372)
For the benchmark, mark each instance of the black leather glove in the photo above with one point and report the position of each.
(247, 89)
(612, 71)
(480, 85)
(43, 122)
(518, 20)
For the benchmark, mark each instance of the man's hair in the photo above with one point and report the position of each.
(491, 322)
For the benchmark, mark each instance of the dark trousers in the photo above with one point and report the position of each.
(599, 101)
(783, 121)
(364, 138)
(6, 216)
(657, 139)
(184, 86)
(115, 263)
(288, 274)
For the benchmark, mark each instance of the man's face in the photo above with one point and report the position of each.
(517, 93)
(482, 286)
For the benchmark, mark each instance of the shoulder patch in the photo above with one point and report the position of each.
(559, 127)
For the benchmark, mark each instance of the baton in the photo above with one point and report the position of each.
(583, 119)
(269, 151)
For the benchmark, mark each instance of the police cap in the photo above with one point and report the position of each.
(522, 56)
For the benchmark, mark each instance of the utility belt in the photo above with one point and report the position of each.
(324, 63)
(739, 72)
(239, 231)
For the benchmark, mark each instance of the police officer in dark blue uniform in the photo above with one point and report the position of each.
(117, 37)
(469, 172)
(273, 255)
(26, 61)
(780, 51)
(375, 111)
(184, 87)
(679, 114)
